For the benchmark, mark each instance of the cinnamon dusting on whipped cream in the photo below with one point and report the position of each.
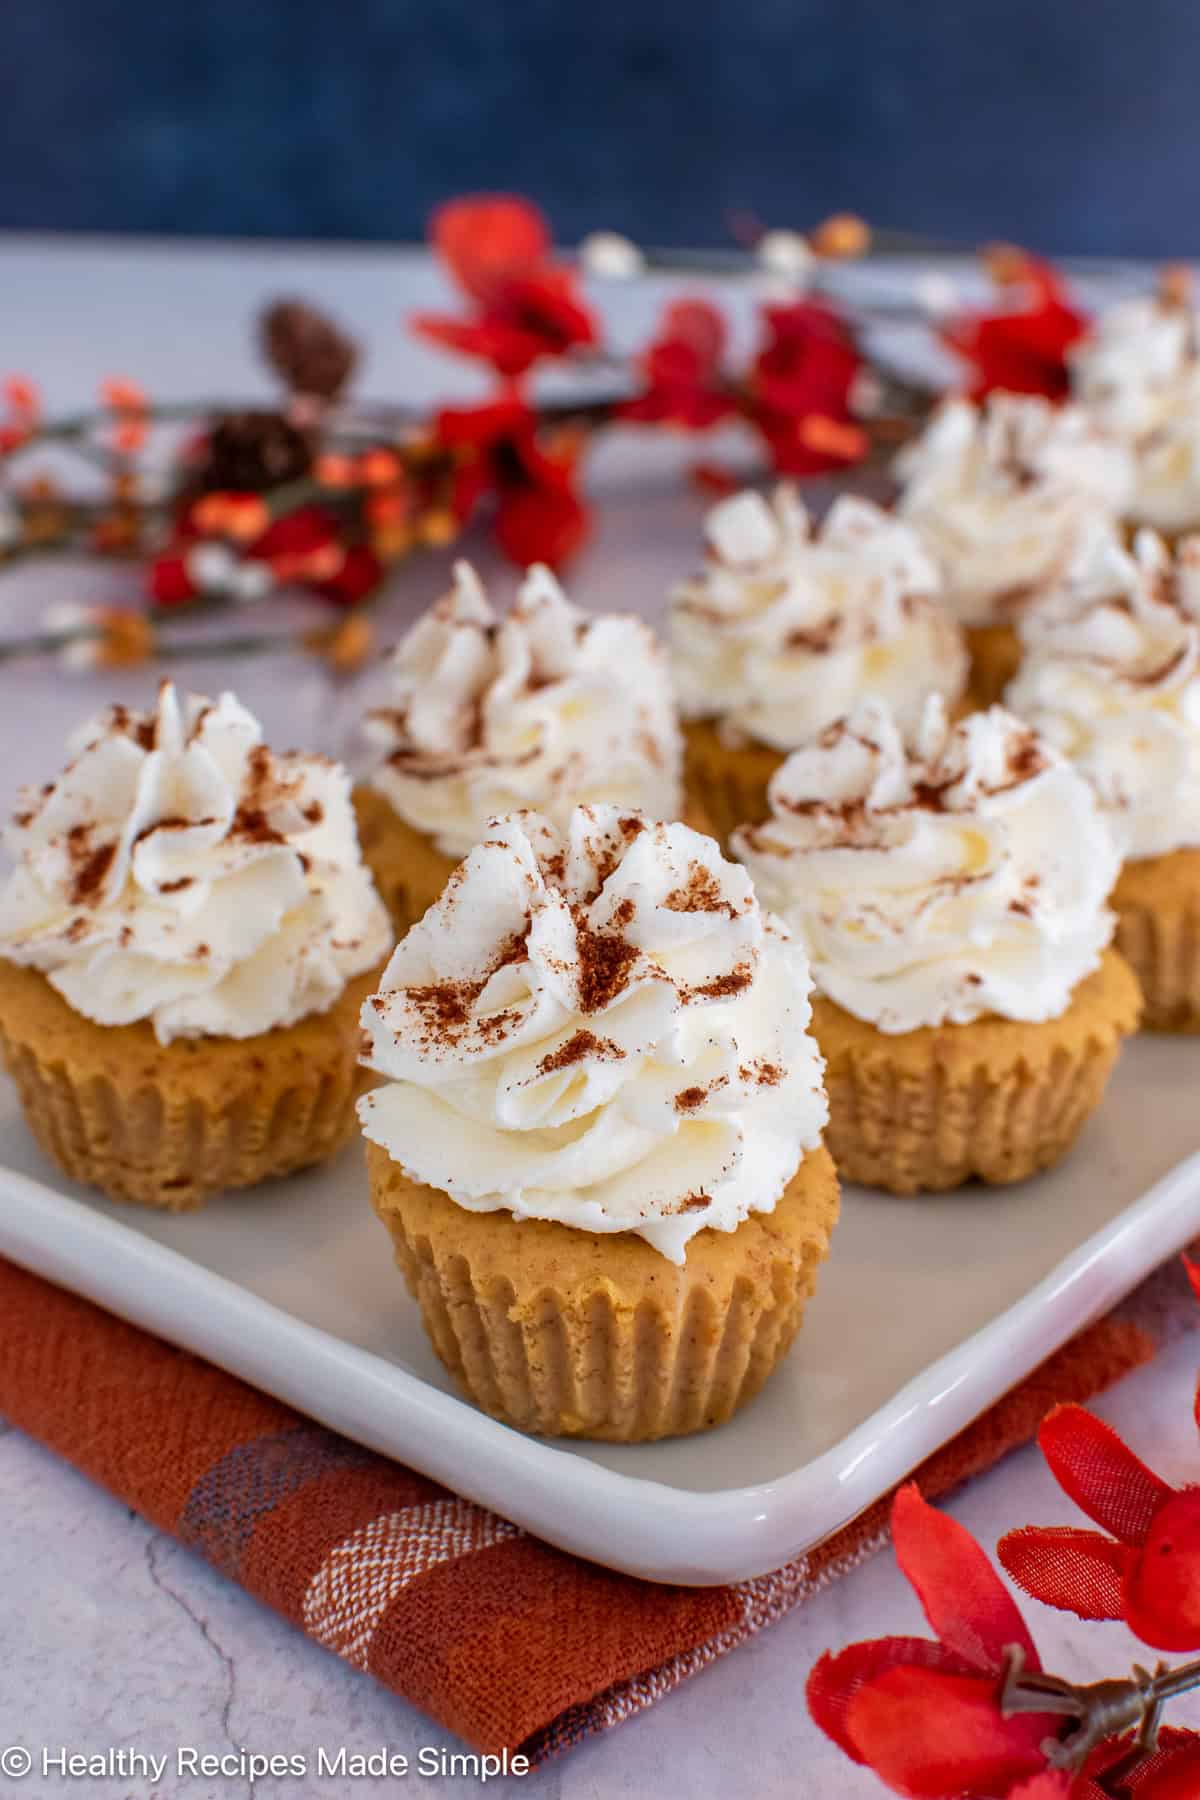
(1110, 675)
(788, 624)
(962, 873)
(565, 1037)
(179, 872)
(1000, 494)
(580, 1045)
(537, 708)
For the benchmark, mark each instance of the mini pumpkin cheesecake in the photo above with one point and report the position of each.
(185, 942)
(1137, 376)
(544, 707)
(1001, 494)
(1111, 677)
(596, 1140)
(951, 895)
(789, 625)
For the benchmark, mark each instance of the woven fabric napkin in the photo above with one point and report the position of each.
(500, 1638)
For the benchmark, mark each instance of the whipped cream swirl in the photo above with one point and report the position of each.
(787, 627)
(178, 871)
(1000, 494)
(1111, 677)
(542, 709)
(930, 887)
(1138, 376)
(598, 1027)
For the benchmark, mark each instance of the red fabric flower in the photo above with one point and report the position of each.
(306, 548)
(539, 514)
(682, 371)
(488, 240)
(128, 403)
(1172, 1772)
(169, 580)
(360, 571)
(926, 1715)
(23, 409)
(800, 386)
(1021, 349)
(497, 248)
(295, 542)
(1146, 1571)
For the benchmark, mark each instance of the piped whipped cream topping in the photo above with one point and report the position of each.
(931, 886)
(788, 626)
(1111, 677)
(1138, 376)
(542, 709)
(1000, 494)
(598, 1027)
(179, 871)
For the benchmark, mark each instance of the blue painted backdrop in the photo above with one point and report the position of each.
(1069, 124)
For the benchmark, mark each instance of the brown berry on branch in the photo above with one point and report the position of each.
(310, 354)
(843, 235)
(1176, 285)
(252, 452)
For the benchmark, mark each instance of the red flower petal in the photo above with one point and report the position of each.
(1051, 1784)
(680, 391)
(682, 369)
(1101, 1473)
(471, 482)
(540, 525)
(21, 395)
(361, 571)
(808, 362)
(793, 451)
(1193, 1274)
(1076, 1571)
(547, 306)
(481, 426)
(169, 581)
(1162, 1590)
(836, 1680)
(539, 316)
(509, 349)
(964, 1599)
(295, 533)
(803, 376)
(1023, 349)
(713, 479)
(1172, 1773)
(939, 1737)
(699, 325)
(487, 240)
(1178, 1779)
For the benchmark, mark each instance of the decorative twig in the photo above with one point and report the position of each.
(1098, 1710)
(119, 637)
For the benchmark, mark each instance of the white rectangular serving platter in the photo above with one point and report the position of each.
(927, 1310)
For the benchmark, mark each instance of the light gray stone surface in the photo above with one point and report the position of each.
(112, 1635)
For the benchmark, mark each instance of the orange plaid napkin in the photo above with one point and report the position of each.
(500, 1638)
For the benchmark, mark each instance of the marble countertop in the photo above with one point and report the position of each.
(113, 1637)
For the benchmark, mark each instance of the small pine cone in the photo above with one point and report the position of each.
(309, 353)
(252, 452)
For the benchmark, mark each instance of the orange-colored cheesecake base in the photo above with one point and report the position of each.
(996, 1100)
(168, 1125)
(1157, 903)
(580, 1334)
(995, 652)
